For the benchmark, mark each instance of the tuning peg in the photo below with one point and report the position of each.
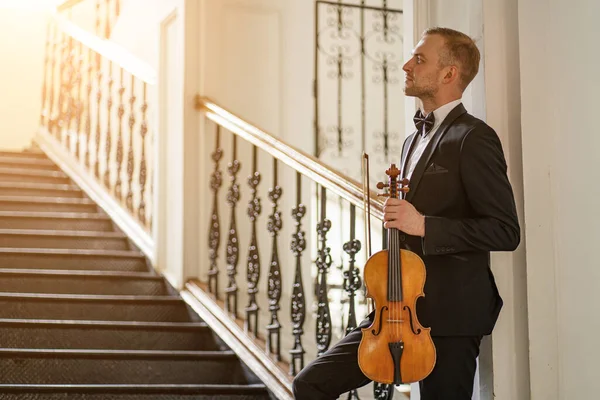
(383, 194)
(405, 189)
(381, 185)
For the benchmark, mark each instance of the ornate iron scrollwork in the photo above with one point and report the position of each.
(233, 196)
(298, 304)
(381, 391)
(130, 154)
(323, 262)
(358, 51)
(274, 282)
(108, 142)
(143, 170)
(119, 150)
(98, 136)
(352, 281)
(88, 114)
(214, 235)
(253, 266)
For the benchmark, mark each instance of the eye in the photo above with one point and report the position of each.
(418, 60)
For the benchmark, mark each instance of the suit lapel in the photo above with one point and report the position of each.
(430, 149)
(406, 151)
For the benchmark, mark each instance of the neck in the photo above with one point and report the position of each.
(433, 103)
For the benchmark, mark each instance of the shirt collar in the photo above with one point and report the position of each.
(442, 112)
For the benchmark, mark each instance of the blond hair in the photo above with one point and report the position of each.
(459, 49)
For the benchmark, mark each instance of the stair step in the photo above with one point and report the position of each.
(31, 238)
(33, 175)
(135, 392)
(55, 221)
(32, 155)
(39, 189)
(12, 161)
(33, 203)
(116, 335)
(81, 282)
(42, 366)
(72, 259)
(95, 307)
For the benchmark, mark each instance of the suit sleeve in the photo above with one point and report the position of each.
(494, 225)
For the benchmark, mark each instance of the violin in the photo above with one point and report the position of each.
(395, 349)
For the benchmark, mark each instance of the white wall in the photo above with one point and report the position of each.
(510, 345)
(21, 75)
(559, 86)
(139, 26)
(153, 30)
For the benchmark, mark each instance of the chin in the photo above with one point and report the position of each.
(409, 92)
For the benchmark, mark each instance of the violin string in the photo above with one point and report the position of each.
(394, 282)
(394, 270)
(398, 288)
(393, 278)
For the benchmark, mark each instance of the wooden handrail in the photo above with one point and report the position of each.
(311, 167)
(115, 53)
(65, 5)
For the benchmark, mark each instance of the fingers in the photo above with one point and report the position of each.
(390, 201)
(391, 224)
(394, 206)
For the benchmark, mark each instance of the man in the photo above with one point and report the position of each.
(459, 208)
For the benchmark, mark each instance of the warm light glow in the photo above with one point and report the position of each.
(30, 4)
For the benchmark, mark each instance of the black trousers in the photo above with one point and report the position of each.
(337, 372)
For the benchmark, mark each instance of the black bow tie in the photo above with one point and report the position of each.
(424, 124)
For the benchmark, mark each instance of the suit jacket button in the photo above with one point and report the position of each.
(402, 238)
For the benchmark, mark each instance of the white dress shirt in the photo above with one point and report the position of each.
(421, 142)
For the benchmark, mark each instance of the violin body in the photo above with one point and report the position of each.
(395, 349)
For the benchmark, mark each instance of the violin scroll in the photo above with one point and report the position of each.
(396, 185)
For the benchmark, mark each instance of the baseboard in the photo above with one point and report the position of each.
(233, 335)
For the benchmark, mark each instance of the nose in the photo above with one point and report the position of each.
(407, 66)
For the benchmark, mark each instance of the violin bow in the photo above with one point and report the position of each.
(366, 201)
(367, 210)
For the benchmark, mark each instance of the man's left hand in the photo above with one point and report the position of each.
(402, 215)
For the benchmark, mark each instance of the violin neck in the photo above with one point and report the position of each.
(394, 266)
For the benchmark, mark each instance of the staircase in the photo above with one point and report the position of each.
(82, 313)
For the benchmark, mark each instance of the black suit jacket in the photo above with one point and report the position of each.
(461, 186)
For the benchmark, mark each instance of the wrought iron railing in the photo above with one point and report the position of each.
(298, 299)
(358, 58)
(316, 241)
(95, 106)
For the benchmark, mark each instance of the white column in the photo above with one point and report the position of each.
(510, 351)
(559, 90)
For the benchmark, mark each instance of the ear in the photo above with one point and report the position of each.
(450, 74)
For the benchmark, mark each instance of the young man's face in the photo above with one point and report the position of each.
(423, 73)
